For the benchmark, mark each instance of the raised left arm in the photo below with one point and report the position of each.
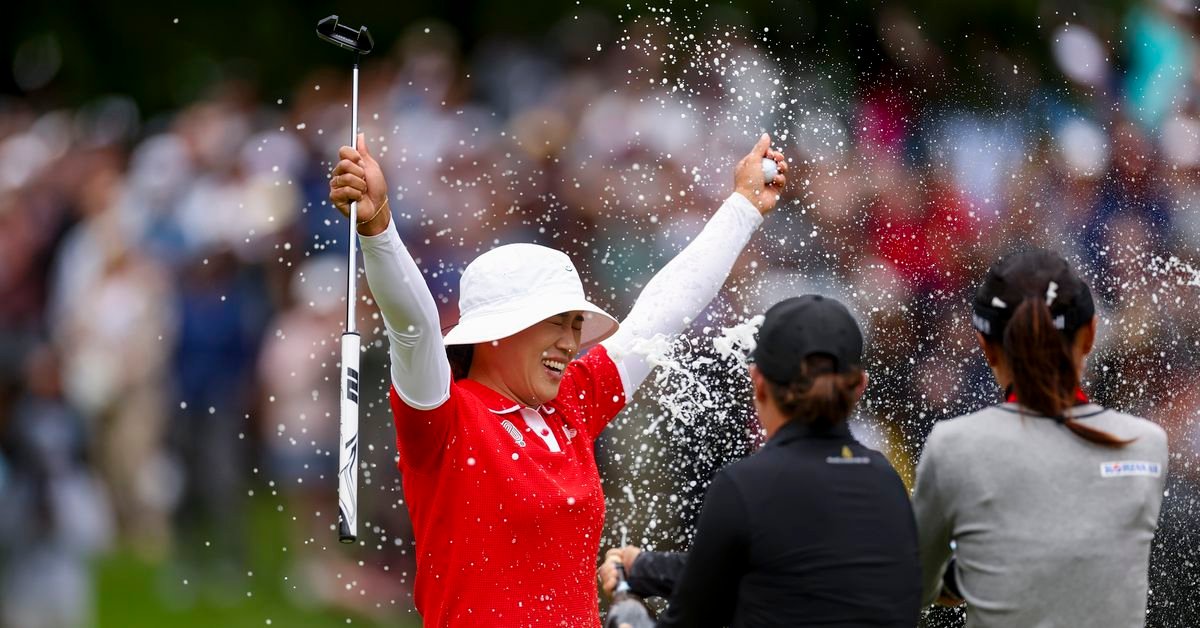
(680, 291)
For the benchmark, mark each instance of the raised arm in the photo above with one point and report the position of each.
(676, 294)
(420, 371)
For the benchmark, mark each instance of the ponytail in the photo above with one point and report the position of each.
(1091, 434)
(1043, 369)
(818, 396)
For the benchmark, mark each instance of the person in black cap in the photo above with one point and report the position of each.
(814, 529)
(1050, 500)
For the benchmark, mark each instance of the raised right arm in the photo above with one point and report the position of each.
(420, 370)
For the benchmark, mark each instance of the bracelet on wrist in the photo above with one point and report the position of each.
(375, 215)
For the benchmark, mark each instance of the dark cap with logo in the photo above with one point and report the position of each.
(796, 328)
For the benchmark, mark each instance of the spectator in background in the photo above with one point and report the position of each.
(299, 426)
(115, 329)
(56, 514)
(222, 307)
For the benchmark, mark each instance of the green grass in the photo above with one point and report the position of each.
(131, 595)
(134, 593)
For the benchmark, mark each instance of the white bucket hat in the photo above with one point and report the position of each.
(512, 287)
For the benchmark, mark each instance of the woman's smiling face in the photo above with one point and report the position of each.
(528, 366)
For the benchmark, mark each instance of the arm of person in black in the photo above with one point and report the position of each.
(706, 594)
(654, 574)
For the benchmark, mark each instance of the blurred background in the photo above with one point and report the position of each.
(172, 276)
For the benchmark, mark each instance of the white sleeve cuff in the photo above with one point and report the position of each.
(385, 237)
(745, 208)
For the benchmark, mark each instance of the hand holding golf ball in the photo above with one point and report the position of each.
(761, 175)
(770, 169)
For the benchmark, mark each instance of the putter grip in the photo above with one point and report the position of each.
(348, 441)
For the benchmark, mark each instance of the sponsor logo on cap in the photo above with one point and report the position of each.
(1121, 468)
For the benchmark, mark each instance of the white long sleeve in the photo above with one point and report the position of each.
(420, 369)
(680, 291)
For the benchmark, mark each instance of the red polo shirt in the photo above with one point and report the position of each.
(508, 530)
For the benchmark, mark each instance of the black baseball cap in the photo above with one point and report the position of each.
(796, 328)
(1032, 273)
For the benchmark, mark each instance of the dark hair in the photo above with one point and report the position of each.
(818, 396)
(1032, 305)
(460, 357)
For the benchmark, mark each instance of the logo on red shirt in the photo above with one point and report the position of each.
(513, 431)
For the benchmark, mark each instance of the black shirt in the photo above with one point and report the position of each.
(813, 530)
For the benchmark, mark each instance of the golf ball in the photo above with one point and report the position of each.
(770, 169)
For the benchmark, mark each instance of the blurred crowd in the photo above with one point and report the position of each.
(173, 287)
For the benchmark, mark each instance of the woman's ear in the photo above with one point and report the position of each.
(758, 382)
(1085, 340)
(862, 386)
(990, 351)
(994, 353)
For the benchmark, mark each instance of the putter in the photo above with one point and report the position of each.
(360, 43)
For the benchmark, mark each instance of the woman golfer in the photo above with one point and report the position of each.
(1051, 500)
(814, 529)
(497, 460)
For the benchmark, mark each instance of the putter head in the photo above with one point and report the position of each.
(358, 41)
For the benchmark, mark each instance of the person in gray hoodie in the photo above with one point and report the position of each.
(1039, 511)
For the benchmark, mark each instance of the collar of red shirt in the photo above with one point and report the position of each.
(496, 402)
(1080, 396)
